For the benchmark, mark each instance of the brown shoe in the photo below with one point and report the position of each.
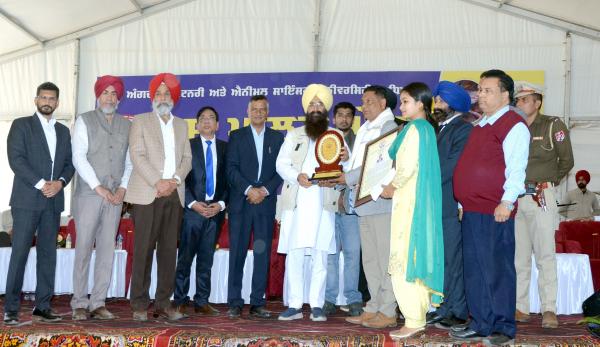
(182, 309)
(549, 320)
(140, 316)
(102, 313)
(521, 317)
(363, 317)
(380, 321)
(79, 314)
(169, 314)
(206, 310)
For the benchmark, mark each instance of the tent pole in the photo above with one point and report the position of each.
(75, 103)
(317, 33)
(567, 96)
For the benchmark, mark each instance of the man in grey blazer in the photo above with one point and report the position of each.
(39, 153)
(100, 142)
(160, 152)
(374, 216)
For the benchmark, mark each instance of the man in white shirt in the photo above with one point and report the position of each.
(205, 197)
(161, 157)
(39, 153)
(100, 143)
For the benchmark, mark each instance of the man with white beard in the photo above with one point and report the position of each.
(103, 169)
(161, 156)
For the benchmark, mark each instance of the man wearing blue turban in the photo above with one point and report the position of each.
(451, 101)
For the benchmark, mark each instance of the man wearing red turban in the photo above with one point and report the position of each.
(100, 143)
(585, 203)
(161, 156)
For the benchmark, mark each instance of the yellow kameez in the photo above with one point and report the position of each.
(413, 297)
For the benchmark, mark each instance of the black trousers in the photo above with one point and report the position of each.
(240, 226)
(198, 239)
(455, 303)
(25, 224)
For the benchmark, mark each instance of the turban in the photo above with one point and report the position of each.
(170, 81)
(454, 95)
(320, 91)
(106, 81)
(582, 174)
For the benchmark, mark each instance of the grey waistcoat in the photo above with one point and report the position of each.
(107, 149)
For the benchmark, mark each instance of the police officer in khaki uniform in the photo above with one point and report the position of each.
(550, 159)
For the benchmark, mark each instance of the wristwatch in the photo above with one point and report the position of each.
(509, 205)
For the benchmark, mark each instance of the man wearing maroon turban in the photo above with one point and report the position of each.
(584, 202)
(100, 143)
(161, 156)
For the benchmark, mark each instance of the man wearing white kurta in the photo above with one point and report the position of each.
(308, 211)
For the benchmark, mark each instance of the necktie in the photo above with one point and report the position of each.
(210, 180)
(165, 118)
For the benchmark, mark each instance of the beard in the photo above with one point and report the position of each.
(46, 110)
(316, 123)
(581, 185)
(108, 109)
(440, 115)
(162, 108)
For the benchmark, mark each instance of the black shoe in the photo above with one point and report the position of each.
(355, 309)
(46, 316)
(467, 335)
(433, 317)
(234, 312)
(498, 339)
(460, 327)
(329, 308)
(11, 318)
(448, 323)
(260, 312)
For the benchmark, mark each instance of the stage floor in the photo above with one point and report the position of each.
(222, 331)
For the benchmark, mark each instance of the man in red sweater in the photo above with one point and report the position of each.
(488, 179)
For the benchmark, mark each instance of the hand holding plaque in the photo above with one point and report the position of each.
(328, 150)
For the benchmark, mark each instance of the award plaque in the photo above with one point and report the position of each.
(328, 150)
(376, 165)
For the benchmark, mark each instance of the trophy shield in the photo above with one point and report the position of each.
(328, 151)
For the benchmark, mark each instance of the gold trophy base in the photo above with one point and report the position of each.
(325, 175)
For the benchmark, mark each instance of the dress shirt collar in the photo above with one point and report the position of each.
(45, 121)
(493, 118)
(447, 121)
(160, 119)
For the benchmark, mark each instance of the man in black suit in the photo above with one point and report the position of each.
(253, 184)
(39, 153)
(451, 102)
(205, 198)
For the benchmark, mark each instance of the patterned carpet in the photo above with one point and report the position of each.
(221, 331)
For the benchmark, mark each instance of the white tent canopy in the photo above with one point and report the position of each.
(71, 42)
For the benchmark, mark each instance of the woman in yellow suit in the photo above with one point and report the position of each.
(416, 243)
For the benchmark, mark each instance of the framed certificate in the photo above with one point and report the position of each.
(375, 166)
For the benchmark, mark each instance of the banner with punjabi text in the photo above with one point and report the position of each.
(229, 94)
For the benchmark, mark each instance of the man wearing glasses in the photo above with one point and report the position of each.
(205, 197)
(39, 153)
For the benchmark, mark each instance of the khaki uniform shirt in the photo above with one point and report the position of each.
(550, 152)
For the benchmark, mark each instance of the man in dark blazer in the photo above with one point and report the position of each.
(205, 198)
(451, 101)
(253, 184)
(39, 153)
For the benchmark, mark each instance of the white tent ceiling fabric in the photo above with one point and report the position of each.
(227, 36)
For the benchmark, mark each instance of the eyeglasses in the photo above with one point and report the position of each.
(210, 118)
(47, 98)
(316, 104)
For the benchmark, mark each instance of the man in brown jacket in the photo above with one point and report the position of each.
(161, 157)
